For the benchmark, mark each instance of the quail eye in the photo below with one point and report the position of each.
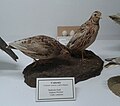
(95, 14)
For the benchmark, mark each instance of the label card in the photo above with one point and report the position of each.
(55, 89)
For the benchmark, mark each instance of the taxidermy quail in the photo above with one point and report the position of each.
(85, 35)
(39, 47)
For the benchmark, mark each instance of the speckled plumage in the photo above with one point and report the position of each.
(86, 34)
(39, 47)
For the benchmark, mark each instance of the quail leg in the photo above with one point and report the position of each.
(35, 62)
(82, 55)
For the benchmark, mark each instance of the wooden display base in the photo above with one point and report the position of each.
(91, 66)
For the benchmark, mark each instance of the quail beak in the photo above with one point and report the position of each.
(100, 17)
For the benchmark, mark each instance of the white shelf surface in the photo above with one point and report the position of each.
(92, 92)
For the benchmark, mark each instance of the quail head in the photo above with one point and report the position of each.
(85, 35)
(3, 46)
(39, 47)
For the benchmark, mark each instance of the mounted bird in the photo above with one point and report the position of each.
(40, 47)
(85, 35)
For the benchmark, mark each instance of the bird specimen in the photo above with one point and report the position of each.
(39, 47)
(85, 35)
(3, 46)
(116, 18)
(112, 61)
(116, 60)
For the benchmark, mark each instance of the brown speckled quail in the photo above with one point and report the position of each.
(85, 35)
(39, 47)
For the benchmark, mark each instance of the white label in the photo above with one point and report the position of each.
(53, 89)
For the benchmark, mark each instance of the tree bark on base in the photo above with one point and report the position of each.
(91, 66)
